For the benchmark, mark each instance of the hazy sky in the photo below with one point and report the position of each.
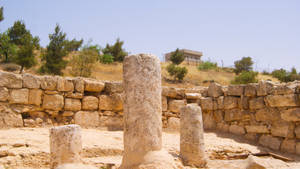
(266, 30)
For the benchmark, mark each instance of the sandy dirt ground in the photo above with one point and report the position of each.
(24, 148)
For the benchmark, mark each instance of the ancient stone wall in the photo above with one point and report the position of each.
(264, 112)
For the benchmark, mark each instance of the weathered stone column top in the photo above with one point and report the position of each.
(65, 145)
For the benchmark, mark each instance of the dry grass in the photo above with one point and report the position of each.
(113, 72)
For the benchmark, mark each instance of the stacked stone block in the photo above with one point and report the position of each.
(264, 112)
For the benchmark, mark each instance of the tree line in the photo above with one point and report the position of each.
(18, 45)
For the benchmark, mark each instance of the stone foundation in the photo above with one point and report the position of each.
(263, 112)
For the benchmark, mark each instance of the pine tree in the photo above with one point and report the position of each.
(1, 14)
(116, 51)
(53, 57)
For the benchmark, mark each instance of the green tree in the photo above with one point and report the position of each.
(106, 59)
(73, 45)
(116, 50)
(177, 57)
(25, 56)
(245, 64)
(246, 77)
(83, 63)
(53, 57)
(1, 14)
(174, 69)
(8, 50)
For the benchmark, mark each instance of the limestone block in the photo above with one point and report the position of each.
(230, 102)
(267, 114)
(281, 100)
(251, 136)
(87, 118)
(297, 132)
(264, 88)
(65, 84)
(35, 96)
(193, 96)
(175, 105)
(236, 90)
(220, 102)
(257, 129)
(223, 127)
(250, 90)
(269, 141)
(65, 145)
(113, 123)
(282, 89)
(171, 92)
(10, 119)
(233, 115)
(208, 121)
(236, 129)
(67, 114)
(90, 103)
(37, 114)
(93, 85)
(192, 149)
(79, 85)
(10, 80)
(206, 103)
(283, 129)
(218, 115)
(111, 102)
(298, 148)
(19, 96)
(53, 102)
(48, 82)
(76, 95)
(164, 101)
(113, 87)
(256, 103)
(75, 166)
(174, 123)
(30, 81)
(72, 104)
(243, 103)
(4, 94)
(215, 90)
(291, 114)
(288, 145)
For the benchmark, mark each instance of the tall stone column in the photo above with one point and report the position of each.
(65, 145)
(192, 149)
(142, 112)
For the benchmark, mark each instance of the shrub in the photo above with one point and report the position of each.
(83, 63)
(207, 65)
(245, 77)
(285, 76)
(265, 72)
(177, 57)
(245, 64)
(177, 72)
(106, 59)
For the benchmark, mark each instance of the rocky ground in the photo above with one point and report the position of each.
(24, 148)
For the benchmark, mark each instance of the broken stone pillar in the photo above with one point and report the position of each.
(192, 149)
(65, 145)
(143, 113)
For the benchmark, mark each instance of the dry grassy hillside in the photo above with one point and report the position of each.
(113, 72)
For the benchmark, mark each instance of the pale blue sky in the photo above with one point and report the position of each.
(266, 30)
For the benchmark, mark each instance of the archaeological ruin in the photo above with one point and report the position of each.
(266, 113)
